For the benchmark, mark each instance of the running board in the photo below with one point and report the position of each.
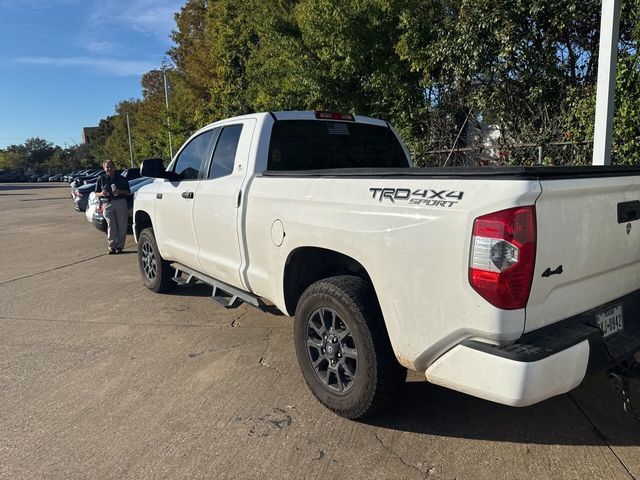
(234, 298)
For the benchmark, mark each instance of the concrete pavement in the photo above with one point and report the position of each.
(101, 378)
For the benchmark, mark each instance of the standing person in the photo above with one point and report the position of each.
(113, 189)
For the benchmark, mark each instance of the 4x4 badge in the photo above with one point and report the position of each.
(548, 272)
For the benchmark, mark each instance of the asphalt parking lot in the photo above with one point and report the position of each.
(100, 378)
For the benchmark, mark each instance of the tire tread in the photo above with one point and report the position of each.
(357, 295)
(163, 282)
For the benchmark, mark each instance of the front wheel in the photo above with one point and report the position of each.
(156, 271)
(343, 349)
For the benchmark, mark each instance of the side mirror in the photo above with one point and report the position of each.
(153, 167)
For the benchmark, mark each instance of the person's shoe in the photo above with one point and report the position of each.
(118, 250)
(111, 251)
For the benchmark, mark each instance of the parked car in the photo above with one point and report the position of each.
(90, 186)
(67, 177)
(512, 284)
(80, 196)
(7, 176)
(20, 177)
(56, 178)
(86, 171)
(82, 179)
(92, 204)
(98, 219)
(131, 173)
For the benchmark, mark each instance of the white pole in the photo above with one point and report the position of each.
(605, 97)
(166, 100)
(130, 147)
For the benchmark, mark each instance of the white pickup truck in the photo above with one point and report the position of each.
(510, 284)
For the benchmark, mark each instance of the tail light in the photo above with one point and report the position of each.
(503, 254)
(322, 115)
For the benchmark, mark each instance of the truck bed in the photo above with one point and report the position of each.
(507, 173)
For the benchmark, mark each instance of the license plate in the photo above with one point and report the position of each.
(610, 320)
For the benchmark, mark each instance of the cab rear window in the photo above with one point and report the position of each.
(317, 144)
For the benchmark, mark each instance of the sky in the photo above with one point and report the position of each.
(65, 64)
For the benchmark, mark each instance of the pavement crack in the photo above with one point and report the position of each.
(264, 364)
(236, 321)
(52, 269)
(223, 349)
(261, 361)
(426, 472)
(129, 324)
(601, 435)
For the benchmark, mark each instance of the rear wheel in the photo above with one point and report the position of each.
(156, 271)
(343, 349)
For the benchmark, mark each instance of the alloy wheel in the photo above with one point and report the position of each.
(148, 257)
(332, 350)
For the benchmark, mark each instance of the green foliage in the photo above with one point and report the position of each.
(38, 156)
(430, 68)
(11, 160)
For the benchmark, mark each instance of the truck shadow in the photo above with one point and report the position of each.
(29, 186)
(200, 289)
(590, 415)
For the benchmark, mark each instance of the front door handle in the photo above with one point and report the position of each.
(187, 194)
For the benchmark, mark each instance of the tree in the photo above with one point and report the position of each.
(117, 144)
(11, 160)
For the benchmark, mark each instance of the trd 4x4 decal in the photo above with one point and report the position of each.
(425, 197)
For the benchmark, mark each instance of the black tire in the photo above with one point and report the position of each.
(156, 271)
(343, 348)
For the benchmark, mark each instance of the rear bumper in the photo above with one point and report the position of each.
(543, 363)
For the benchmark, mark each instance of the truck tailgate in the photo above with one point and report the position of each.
(588, 246)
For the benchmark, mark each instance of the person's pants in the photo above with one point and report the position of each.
(116, 214)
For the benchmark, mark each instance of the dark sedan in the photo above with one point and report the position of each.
(88, 178)
(98, 219)
(80, 196)
(88, 171)
(131, 173)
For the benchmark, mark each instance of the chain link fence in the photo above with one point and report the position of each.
(550, 154)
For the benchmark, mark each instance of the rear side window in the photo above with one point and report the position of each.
(191, 158)
(225, 154)
(313, 144)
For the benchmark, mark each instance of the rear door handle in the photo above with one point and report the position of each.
(187, 194)
(628, 211)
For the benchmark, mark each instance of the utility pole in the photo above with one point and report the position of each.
(130, 147)
(605, 97)
(166, 101)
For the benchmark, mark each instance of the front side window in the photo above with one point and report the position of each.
(225, 154)
(192, 157)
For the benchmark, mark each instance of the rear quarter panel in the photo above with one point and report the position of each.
(416, 255)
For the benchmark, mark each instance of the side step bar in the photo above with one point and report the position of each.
(234, 298)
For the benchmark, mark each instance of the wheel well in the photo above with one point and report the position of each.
(307, 265)
(142, 221)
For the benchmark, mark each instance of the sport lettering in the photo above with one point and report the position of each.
(422, 197)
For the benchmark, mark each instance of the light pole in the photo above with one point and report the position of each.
(166, 101)
(129, 135)
(605, 97)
